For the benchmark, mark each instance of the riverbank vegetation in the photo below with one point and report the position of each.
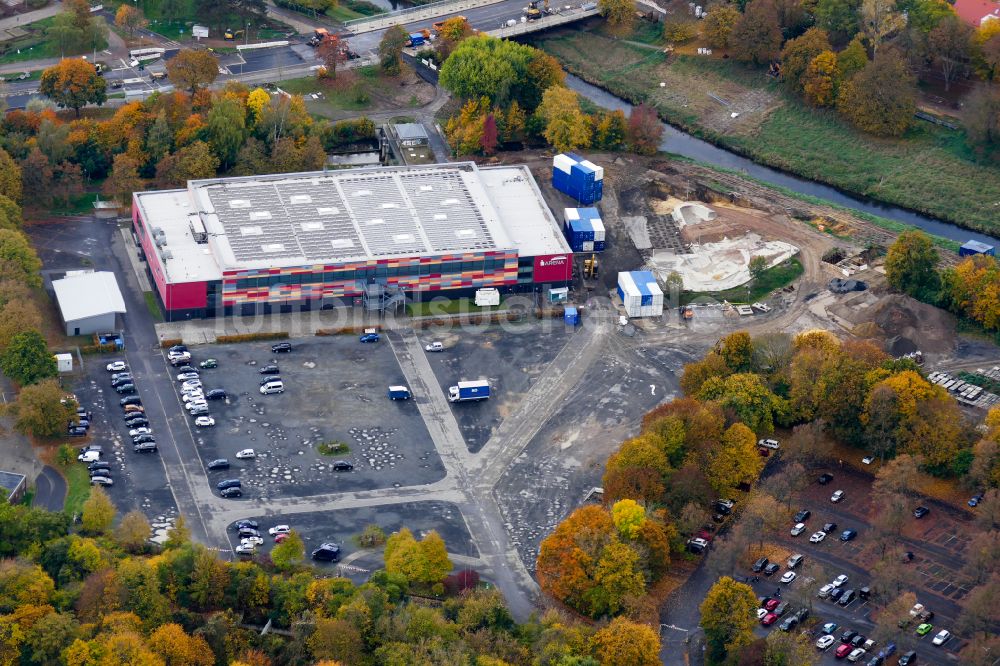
(930, 168)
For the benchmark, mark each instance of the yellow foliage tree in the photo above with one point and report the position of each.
(628, 517)
(819, 85)
(735, 461)
(627, 643)
(566, 126)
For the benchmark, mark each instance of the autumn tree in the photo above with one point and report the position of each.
(37, 176)
(124, 179)
(719, 23)
(820, 81)
(131, 18)
(790, 649)
(748, 398)
(290, 553)
(566, 126)
(910, 264)
(73, 83)
(852, 59)
(18, 316)
(27, 359)
(192, 162)
(949, 43)
(986, 50)
(133, 531)
(191, 70)
(489, 140)
(644, 130)
(390, 49)
(176, 647)
(756, 37)
(798, 53)
(626, 643)
(453, 32)
(981, 116)
(465, 130)
(620, 14)
(879, 21)
(98, 512)
(332, 51)
(39, 410)
(10, 177)
(727, 616)
(981, 612)
(881, 98)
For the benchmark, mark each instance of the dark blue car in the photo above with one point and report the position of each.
(369, 337)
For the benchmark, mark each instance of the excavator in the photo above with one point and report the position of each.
(591, 270)
(534, 13)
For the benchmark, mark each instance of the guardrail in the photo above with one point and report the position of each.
(261, 45)
(411, 14)
(565, 16)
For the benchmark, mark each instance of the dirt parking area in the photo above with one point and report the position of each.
(335, 391)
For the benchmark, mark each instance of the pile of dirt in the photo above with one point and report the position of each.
(908, 325)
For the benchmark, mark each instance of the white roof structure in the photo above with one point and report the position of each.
(325, 217)
(86, 295)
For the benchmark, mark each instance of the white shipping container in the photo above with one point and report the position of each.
(563, 162)
(632, 294)
(571, 214)
(598, 171)
(598, 229)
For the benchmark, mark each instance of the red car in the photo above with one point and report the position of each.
(770, 619)
(278, 538)
(771, 604)
(843, 650)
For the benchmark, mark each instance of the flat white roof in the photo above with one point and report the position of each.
(87, 295)
(325, 217)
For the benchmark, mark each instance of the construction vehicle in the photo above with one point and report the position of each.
(231, 34)
(318, 36)
(419, 38)
(533, 12)
(591, 270)
(687, 312)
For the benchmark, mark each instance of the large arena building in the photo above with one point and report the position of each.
(310, 240)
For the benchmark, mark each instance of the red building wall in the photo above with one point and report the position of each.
(553, 268)
(175, 296)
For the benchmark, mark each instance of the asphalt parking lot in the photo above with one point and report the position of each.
(335, 390)
(258, 60)
(511, 358)
(341, 527)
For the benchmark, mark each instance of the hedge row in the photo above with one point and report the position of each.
(251, 337)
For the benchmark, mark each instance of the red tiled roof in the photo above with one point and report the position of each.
(973, 11)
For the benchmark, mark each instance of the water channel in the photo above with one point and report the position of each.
(681, 143)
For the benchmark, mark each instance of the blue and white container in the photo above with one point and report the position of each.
(579, 178)
(571, 316)
(584, 229)
(640, 294)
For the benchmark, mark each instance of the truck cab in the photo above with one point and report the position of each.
(318, 36)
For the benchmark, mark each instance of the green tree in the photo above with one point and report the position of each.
(40, 412)
(620, 14)
(190, 70)
(566, 126)
(192, 162)
(390, 49)
(879, 21)
(756, 37)
(290, 553)
(719, 24)
(159, 138)
(749, 399)
(226, 130)
(501, 71)
(617, 578)
(209, 579)
(98, 512)
(852, 59)
(727, 616)
(73, 83)
(179, 535)
(789, 649)
(838, 17)
(737, 348)
(49, 636)
(881, 98)
(27, 360)
(910, 265)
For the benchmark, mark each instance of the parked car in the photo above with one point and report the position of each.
(76, 431)
(255, 541)
(771, 604)
(825, 479)
(942, 637)
(327, 552)
(825, 641)
(140, 431)
(342, 466)
(868, 460)
(198, 411)
(788, 623)
(781, 608)
(771, 569)
(829, 527)
(279, 529)
(185, 376)
(134, 409)
(837, 496)
(116, 366)
(231, 492)
(270, 370)
(829, 628)
(216, 394)
(369, 337)
(246, 454)
(926, 616)
(875, 661)
(848, 535)
(245, 548)
(101, 481)
(185, 368)
(916, 610)
(842, 651)
(840, 580)
(125, 389)
(208, 363)
(89, 456)
(976, 499)
(769, 444)
(204, 422)
(136, 420)
(145, 447)
(847, 636)
(798, 529)
(846, 598)
(126, 378)
(856, 654)
(908, 659)
(246, 522)
(130, 400)
(817, 537)
(924, 629)
(218, 463)
(920, 512)
(434, 347)
(794, 561)
(228, 483)
(281, 348)
(759, 565)
(802, 516)
(788, 577)
(179, 359)
(769, 619)
(101, 464)
(139, 439)
(272, 388)
(835, 594)
(177, 349)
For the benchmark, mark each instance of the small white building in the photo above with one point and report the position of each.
(89, 302)
(64, 362)
(640, 294)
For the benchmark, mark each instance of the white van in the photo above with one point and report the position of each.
(272, 387)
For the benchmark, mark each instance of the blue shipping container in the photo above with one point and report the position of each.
(571, 316)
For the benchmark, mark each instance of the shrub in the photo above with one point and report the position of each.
(251, 337)
(680, 31)
(170, 342)
(333, 448)
(372, 537)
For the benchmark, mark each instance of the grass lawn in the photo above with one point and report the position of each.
(354, 97)
(80, 204)
(77, 487)
(153, 305)
(930, 169)
(777, 277)
(451, 306)
(36, 45)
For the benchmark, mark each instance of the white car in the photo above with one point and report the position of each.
(194, 404)
(140, 431)
(268, 389)
(789, 577)
(817, 537)
(185, 376)
(839, 580)
(246, 453)
(856, 655)
(825, 641)
(101, 481)
(251, 541)
(279, 529)
(245, 549)
(116, 366)
(825, 591)
(434, 347)
(916, 610)
(837, 496)
(175, 355)
(89, 456)
(769, 444)
(798, 529)
(761, 612)
(868, 460)
(942, 637)
(204, 422)
(196, 394)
